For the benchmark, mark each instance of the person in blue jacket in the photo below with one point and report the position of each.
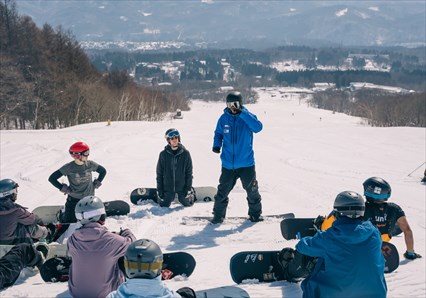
(234, 135)
(347, 257)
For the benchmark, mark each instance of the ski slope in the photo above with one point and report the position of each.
(304, 158)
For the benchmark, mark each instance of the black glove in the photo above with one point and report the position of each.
(186, 292)
(97, 183)
(411, 255)
(216, 149)
(125, 232)
(318, 222)
(65, 189)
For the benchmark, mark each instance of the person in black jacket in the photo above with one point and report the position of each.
(174, 172)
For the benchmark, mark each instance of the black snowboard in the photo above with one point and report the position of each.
(201, 194)
(296, 228)
(118, 207)
(187, 220)
(260, 265)
(264, 266)
(175, 263)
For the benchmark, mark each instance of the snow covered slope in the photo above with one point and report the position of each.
(304, 157)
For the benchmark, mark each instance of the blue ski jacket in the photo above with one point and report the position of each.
(350, 261)
(234, 133)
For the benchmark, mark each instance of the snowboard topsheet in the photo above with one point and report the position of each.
(51, 214)
(222, 292)
(49, 250)
(202, 194)
(188, 219)
(175, 263)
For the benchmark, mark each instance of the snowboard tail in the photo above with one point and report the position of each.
(176, 263)
(52, 214)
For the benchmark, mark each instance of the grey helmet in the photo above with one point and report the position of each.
(8, 189)
(143, 259)
(89, 209)
(350, 204)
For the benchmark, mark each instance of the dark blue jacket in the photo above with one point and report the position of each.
(234, 133)
(350, 261)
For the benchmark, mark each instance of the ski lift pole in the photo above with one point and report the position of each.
(409, 175)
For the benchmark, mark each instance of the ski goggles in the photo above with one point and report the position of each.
(232, 105)
(174, 134)
(8, 192)
(78, 154)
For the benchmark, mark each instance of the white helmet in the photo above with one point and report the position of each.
(89, 209)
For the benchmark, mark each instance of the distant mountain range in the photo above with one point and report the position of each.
(254, 24)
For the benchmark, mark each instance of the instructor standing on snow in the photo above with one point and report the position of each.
(234, 134)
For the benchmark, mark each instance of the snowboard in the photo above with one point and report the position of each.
(202, 194)
(48, 250)
(296, 228)
(51, 214)
(186, 220)
(176, 263)
(264, 266)
(223, 292)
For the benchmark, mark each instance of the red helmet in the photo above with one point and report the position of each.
(79, 149)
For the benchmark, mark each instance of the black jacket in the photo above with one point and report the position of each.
(174, 170)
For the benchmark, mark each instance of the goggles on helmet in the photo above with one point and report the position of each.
(78, 154)
(233, 105)
(172, 135)
(8, 192)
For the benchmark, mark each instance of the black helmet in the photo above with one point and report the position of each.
(8, 189)
(376, 189)
(234, 96)
(350, 204)
(172, 132)
(143, 259)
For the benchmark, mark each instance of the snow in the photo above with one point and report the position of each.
(341, 13)
(373, 8)
(288, 65)
(304, 157)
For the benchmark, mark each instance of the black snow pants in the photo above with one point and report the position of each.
(227, 181)
(20, 256)
(168, 198)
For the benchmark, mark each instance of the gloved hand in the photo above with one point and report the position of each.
(97, 183)
(125, 232)
(186, 292)
(216, 149)
(411, 255)
(318, 222)
(65, 189)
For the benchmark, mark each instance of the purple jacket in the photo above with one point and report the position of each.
(95, 251)
(13, 222)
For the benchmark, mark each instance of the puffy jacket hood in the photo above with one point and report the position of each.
(147, 288)
(90, 232)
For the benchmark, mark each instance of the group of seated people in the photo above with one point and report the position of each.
(351, 242)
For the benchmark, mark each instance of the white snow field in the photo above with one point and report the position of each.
(304, 158)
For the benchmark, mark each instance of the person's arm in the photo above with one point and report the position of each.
(251, 120)
(102, 172)
(188, 173)
(54, 179)
(408, 233)
(218, 137)
(160, 173)
(313, 246)
(119, 243)
(25, 218)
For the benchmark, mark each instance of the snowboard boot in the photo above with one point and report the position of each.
(217, 220)
(258, 218)
(285, 256)
(38, 260)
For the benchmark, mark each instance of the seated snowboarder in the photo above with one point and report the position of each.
(95, 252)
(174, 172)
(143, 263)
(17, 224)
(79, 174)
(20, 256)
(349, 260)
(382, 214)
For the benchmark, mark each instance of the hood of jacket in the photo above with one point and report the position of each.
(345, 228)
(90, 232)
(148, 288)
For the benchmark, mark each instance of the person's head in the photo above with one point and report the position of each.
(376, 190)
(90, 209)
(8, 190)
(143, 259)
(234, 101)
(172, 136)
(79, 151)
(349, 204)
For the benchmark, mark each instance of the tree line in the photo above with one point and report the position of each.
(47, 81)
(377, 108)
